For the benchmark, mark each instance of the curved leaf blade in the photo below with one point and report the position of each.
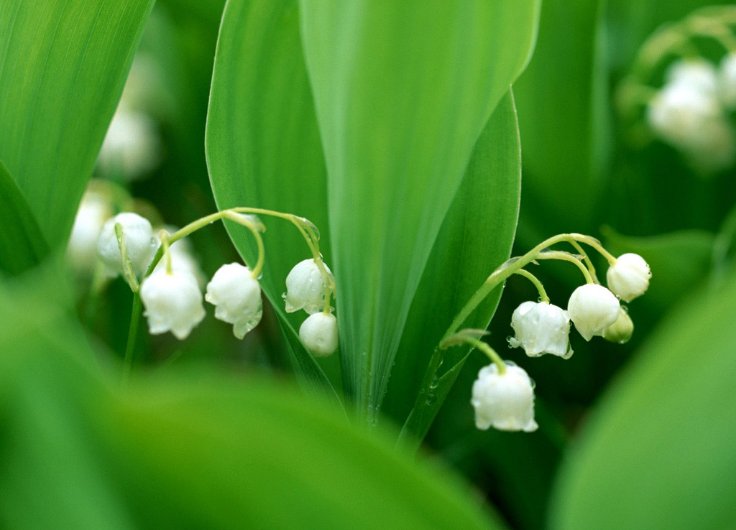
(62, 68)
(402, 91)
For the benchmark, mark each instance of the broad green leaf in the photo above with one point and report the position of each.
(263, 146)
(680, 261)
(62, 68)
(475, 238)
(563, 105)
(22, 244)
(658, 452)
(196, 449)
(402, 92)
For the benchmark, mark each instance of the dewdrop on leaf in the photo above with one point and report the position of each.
(318, 333)
(305, 287)
(139, 244)
(592, 309)
(236, 296)
(173, 302)
(541, 328)
(628, 277)
(504, 401)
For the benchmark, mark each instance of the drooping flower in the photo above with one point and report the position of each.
(541, 328)
(132, 145)
(620, 331)
(305, 288)
(318, 333)
(696, 73)
(592, 309)
(629, 276)
(139, 243)
(182, 257)
(93, 211)
(504, 401)
(236, 296)
(173, 302)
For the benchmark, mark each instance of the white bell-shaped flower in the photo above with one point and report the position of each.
(182, 257)
(305, 288)
(93, 211)
(504, 401)
(132, 146)
(318, 333)
(139, 243)
(236, 296)
(620, 331)
(541, 328)
(592, 309)
(629, 276)
(727, 80)
(173, 302)
(698, 74)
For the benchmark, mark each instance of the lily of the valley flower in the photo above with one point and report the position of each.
(93, 211)
(629, 276)
(541, 328)
(305, 288)
(620, 331)
(593, 308)
(504, 401)
(139, 243)
(237, 298)
(318, 333)
(173, 302)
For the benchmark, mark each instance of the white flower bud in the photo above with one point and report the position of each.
(131, 146)
(173, 303)
(305, 288)
(620, 331)
(236, 296)
(139, 243)
(592, 309)
(504, 401)
(727, 80)
(93, 211)
(318, 333)
(695, 73)
(629, 276)
(541, 328)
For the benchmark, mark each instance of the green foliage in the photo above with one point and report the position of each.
(21, 243)
(658, 452)
(63, 68)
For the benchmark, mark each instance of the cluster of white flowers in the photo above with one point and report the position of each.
(505, 399)
(690, 112)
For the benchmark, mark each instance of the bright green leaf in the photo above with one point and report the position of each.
(402, 91)
(658, 452)
(62, 68)
(22, 244)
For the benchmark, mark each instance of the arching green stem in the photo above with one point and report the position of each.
(540, 288)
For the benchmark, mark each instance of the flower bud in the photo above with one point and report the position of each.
(620, 331)
(173, 302)
(318, 333)
(93, 211)
(592, 309)
(629, 276)
(305, 288)
(139, 243)
(541, 328)
(727, 80)
(698, 74)
(132, 145)
(504, 401)
(237, 298)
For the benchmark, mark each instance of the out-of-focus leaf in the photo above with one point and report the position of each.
(679, 262)
(658, 452)
(563, 118)
(63, 65)
(475, 238)
(263, 146)
(22, 244)
(190, 450)
(402, 91)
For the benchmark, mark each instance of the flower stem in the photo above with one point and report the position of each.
(489, 352)
(566, 256)
(540, 288)
(135, 319)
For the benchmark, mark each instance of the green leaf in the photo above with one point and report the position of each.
(263, 146)
(563, 105)
(197, 449)
(22, 245)
(463, 256)
(658, 452)
(402, 93)
(62, 68)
